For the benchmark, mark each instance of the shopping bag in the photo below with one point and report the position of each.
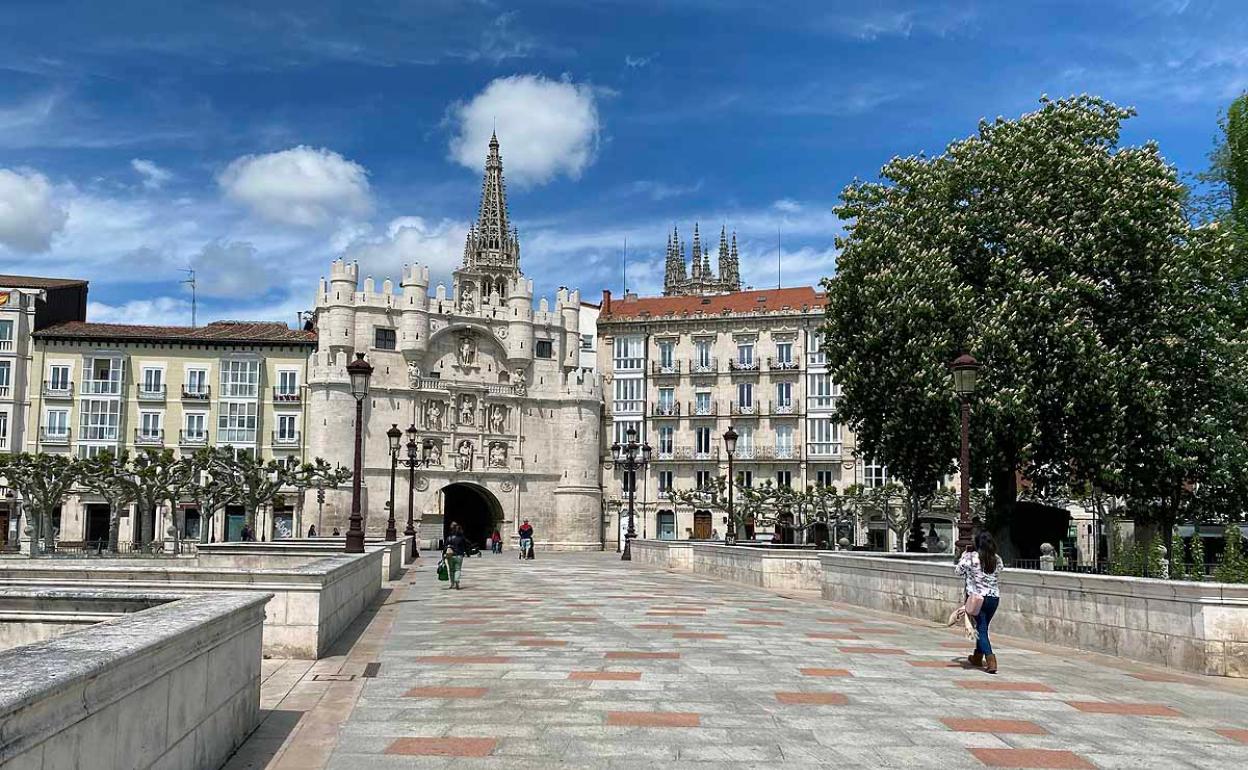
(444, 572)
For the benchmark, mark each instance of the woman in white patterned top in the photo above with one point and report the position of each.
(983, 581)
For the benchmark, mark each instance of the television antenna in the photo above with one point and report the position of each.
(190, 281)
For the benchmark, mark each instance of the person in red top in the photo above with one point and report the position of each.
(496, 542)
(526, 540)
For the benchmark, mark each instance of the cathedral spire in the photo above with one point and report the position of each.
(729, 264)
(696, 272)
(492, 243)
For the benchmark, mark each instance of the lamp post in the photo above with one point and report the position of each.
(630, 456)
(359, 370)
(730, 445)
(413, 459)
(965, 369)
(393, 435)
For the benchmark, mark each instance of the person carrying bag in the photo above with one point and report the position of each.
(981, 567)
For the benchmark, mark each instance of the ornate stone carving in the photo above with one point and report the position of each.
(498, 418)
(434, 455)
(422, 484)
(498, 454)
(463, 456)
(434, 414)
(508, 485)
(467, 410)
(521, 386)
(413, 375)
(466, 352)
(465, 297)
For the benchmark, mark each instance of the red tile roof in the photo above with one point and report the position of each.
(217, 332)
(35, 282)
(795, 299)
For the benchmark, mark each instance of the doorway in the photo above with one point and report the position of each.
(97, 523)
(701, 525)
(667, 525)
(235, 518)
(475, 509)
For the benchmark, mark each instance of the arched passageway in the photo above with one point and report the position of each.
(474, 508)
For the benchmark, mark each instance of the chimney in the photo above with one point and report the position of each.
(606, 302)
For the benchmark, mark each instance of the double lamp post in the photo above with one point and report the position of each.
(629, 457)
(411, 461)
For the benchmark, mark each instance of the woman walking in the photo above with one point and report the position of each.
(456, 550)
(981, 566)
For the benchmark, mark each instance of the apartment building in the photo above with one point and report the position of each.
(682, 369)
(27, 304)
(115, 387)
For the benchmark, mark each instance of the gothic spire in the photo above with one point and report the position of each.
(493, 244)
(729, 265)
(696, 273)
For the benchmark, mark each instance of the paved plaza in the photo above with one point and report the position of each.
(582, 661)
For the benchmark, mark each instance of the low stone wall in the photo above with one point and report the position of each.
(34, 615)
(668, 554)
(1200, 627)
(312, 604)
(293, 552)
(175, 685)
(763, 567)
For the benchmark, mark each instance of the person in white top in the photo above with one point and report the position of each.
(981, 566)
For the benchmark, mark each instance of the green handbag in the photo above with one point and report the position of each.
(444, 572)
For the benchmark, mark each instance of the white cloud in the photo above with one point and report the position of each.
(546, 127)
(302, 186)
(161, 311)
(233, 269)
(437, 245)
(154, 176)
(638, 62)
(29, 215)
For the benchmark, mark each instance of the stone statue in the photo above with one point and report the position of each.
(498, 454)
(465, 298)
(463, 456)
(467, 352)
(433, 415)
(467, 410)
(521, 388)
(435, 453)
(498, 418)
(413, 374)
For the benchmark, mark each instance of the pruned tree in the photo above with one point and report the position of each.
(207, 485)
(42, 481)
(318, 474)
(107, 475)
(254, 482)
(157, 477)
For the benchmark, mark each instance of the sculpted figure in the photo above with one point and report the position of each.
(498, 418)
(467, 410)
(435, 453)
(467, 352)
(498, 455)
(433, 415)
(465, 298)
(413, 374)
(463, 456)
(521, 386)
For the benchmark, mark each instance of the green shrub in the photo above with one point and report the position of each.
(1234, 566)
(1198, 556)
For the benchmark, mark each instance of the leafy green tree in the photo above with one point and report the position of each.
(158, 477)
(107, 475)
(254, 482)
(1198, 556)
(318, 473)
(1227, 177)
(1233, 568)
(42, 481)
(207, 485)
(1041, 246)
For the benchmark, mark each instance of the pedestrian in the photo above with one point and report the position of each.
(714, 534)
(245, 534)
(981, 566)
(311, 530)
(496, 542)
(336, 533)
(456, 550)
(526, 540)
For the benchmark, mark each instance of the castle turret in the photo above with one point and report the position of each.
(570, 308)
(415, 310)
(520, 321)
(338, 327)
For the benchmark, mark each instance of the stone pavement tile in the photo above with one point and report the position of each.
(824, 672)
(698, 635)
(659, 626)
(871, 651)
(1125, 709)
(812, 698)
(772, 623)
(462, 660)
(651, 719)
(1032, 758)
(542, 643)
(443, 747)
(445, 692)
(605, 676)
(1235, 734)
(844, 635)
(641, 655)
(1001, 685)
(994, 726)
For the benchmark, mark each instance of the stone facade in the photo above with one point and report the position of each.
(700, 278)
(507, 416)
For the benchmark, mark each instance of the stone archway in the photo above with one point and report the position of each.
(474, 508)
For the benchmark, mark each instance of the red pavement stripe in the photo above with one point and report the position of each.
(512, 634)
(1149, 676)
(812, 698)
(1127, 709)
(1016, 726)
(442, 747)
(832, 635)
(453, 659)
(605, 676)
(445, 692)
(824, 672)
(1235, 734)
(871, 651)
(1000, 686)
(759, 623)
(542, 643)
(652, 719)
(1044, 759)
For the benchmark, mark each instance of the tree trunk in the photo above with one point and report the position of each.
(114, 526)
(205, 525)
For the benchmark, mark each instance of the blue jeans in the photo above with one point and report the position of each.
(981, 623)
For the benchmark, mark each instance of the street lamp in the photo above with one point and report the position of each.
(393, 435)
(730, 444)
(630, 456)
(414, 458)
(359, 370)
(965, 370)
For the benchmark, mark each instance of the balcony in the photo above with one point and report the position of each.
(101, 387)
(285, 438)
(665, 410)
(665, 370)
(196, 394)
(745, 410)
(826, 449)
(151, 392)
(6, 391)
(708, 409)
(687, 453)
(744, 452)
(743, 367)
(6, 346)
(58, 389)
(54, 436)
(286, 396)
(236, 436)
(704, 366)
(782, 452)
(777, 365)
(783, 409)
(192, 438)
(149, 437)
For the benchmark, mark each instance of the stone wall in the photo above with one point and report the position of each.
(1200, 627)
(176, 685)
(300, 551)
(312, 603)
(29, 615)
(763, 567)
(668, 554)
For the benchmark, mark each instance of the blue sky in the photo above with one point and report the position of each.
(257, 141)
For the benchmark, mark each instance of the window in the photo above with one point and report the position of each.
(824, 437)
(815, 356)
(745, 442)
(702, 441)
(874, 475)
(287, 382)
(58, 378)
(197, 382)
(825, 478)
(702, 353)
(544, 349)
(149, 425)
(628, 396)
(628, 354)
(665, 481)
(784, 353)
(104, 377)
(667, 398)
(4, 429)
(745, 353)
(666, 434)
(99, 419)
(384, 339)
(784, 395)
(745, 395)
(784, 479)
(745, 478)
(57, 422)
(702, 402)
(6, 378)
(237, 423)
(702, 479)
(240, 379)
(823, 393)
(784, 441)
(6, 335)
(621, 431)
(587, 342)
(287, 427)
(153, 380)
(196, 425)
(666, 350)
